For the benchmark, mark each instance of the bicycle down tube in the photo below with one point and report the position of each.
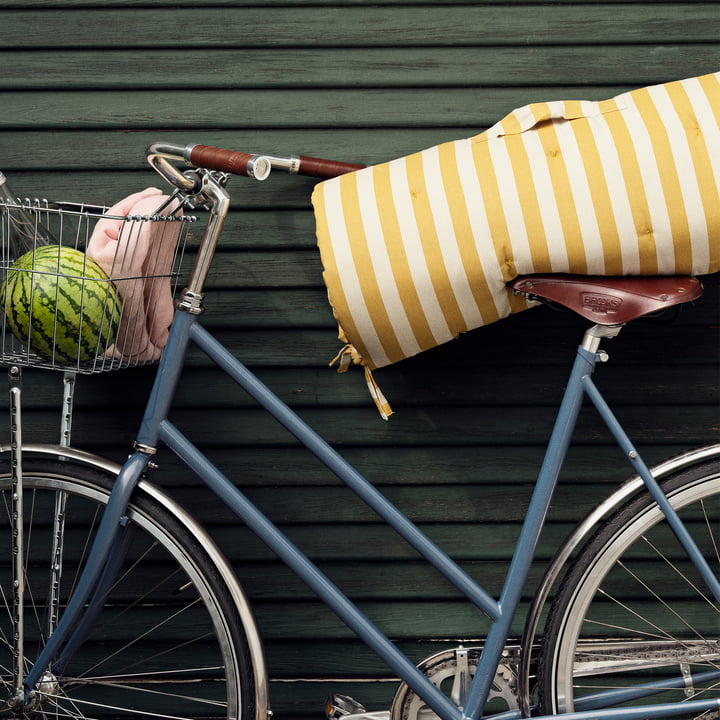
(156, 428)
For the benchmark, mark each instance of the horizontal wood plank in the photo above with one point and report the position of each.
(416, 383)
(125, 150)
(406, 620)
(240, 109)
(351, 26)
(412, 579)
(411, 427)
(397, 66)
(586, 466)
(131, 4)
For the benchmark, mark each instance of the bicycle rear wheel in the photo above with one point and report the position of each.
(633, 614)
(167, 641)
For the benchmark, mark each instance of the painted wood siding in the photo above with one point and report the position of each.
(86, 86)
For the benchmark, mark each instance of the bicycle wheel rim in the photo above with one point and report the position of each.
(165, 643)
(650, 602)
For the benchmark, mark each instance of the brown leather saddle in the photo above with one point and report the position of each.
(610, 300)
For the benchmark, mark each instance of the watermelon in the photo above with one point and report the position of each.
(59, 302)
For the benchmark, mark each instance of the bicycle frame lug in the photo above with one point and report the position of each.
(144, 449)
(191, 302)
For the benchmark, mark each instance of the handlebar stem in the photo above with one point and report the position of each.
(219, 201)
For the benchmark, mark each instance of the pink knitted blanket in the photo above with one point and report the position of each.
(137, 255)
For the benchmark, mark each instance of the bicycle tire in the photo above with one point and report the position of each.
(620, 617)
(168, 641)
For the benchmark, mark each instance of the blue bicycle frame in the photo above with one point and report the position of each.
(156, 428)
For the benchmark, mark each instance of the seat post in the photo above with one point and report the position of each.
(596, 333)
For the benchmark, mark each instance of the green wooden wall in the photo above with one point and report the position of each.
(86, 85)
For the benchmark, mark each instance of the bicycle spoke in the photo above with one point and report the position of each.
(634, 622)
(142, 637)
(142, 684)
(683, 576)
(160, 638)
(712, 534)
(60, 710)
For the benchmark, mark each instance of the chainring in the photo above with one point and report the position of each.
(452, 670)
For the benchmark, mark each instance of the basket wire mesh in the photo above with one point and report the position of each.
(85, 289)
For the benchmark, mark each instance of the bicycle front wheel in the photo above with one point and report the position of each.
(166, 640)
(633, 622)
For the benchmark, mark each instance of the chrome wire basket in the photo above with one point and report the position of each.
(88, 288)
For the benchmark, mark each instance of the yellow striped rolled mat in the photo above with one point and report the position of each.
(418, 250)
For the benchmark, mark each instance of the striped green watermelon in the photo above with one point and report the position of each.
(61, 303)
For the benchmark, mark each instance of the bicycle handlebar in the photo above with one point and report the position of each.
(162, 155)
(214, 158)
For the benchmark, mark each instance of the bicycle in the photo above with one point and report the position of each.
(81, 598)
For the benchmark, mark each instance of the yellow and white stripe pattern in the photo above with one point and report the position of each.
(419, 249)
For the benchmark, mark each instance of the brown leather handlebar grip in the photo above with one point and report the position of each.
(214, 158)
(319, 168)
